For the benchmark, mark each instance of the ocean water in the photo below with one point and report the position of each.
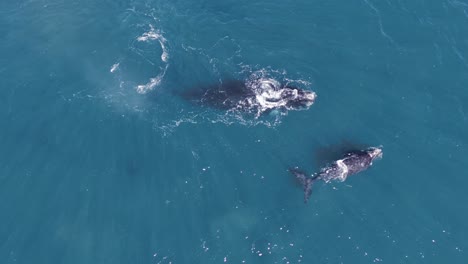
(102, 162)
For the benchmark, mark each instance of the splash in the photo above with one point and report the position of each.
(151, 35)
(156, 35)
(270, 95)
(144, 88)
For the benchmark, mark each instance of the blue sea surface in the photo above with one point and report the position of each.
(102, 162)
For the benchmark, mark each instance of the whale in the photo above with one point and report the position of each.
(257, 97)
(351, 163)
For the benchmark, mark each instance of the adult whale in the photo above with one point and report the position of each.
(256, 97)
(351, 163)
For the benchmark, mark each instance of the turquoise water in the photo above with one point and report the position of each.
(100, 162)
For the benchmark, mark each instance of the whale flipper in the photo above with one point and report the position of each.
(305, 181)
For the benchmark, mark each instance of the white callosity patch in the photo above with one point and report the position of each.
(376, 153)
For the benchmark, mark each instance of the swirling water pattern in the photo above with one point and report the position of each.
(100, 162)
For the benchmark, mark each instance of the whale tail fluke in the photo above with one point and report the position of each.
(308, 189)
(305, 181)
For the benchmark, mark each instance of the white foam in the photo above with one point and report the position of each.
(270, 99)
(156, 35)
(144, 88)
(269, 94)
(153, 82)
(268, 84)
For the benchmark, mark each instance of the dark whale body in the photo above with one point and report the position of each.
(351, 163)
(257, 97)
(222, 96)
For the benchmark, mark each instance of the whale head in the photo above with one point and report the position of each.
(298, 98)
(375, 153)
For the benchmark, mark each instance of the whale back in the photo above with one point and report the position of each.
(357, 161)
(225, 95)
(258, 96)
(352, 163)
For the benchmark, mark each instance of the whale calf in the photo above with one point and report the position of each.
(257, 96)
(351, 163)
